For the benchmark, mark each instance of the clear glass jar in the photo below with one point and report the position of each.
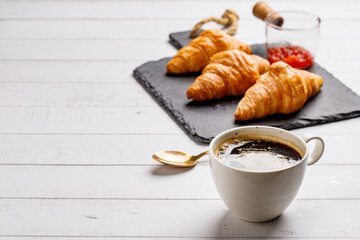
(296, 41)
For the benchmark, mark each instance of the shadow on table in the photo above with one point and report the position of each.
(232, 226)
(169, 170)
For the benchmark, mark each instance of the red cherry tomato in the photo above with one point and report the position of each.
(295, 56)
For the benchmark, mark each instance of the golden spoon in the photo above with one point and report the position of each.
(177, 159)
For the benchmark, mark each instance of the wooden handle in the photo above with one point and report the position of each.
(261, 10)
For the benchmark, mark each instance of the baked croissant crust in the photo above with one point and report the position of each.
(195, 56)
(282, 89)
(230, 72)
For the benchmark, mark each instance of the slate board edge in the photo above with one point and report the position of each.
(175, 42)
(176, 115)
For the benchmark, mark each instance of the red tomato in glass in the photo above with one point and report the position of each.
(295, 56)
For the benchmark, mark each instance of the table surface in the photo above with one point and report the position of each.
(77, 131)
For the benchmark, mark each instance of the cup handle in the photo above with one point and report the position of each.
(315, 155)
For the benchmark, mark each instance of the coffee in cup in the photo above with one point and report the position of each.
(257, 153)
(260, 191)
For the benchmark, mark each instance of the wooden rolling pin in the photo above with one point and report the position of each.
(261, 10)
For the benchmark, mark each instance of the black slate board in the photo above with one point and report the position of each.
(204, 120)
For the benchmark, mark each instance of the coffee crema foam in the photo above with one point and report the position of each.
(256, 154)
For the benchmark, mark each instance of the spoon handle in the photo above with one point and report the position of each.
(202, 154)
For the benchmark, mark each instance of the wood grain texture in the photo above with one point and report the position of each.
(155, 182)
(76, 94)
(186, 10)
(132, 218)
(68, 71)
(86, 120)
(145, 29)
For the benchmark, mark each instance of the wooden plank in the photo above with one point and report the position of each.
(106, 50)
(134, 50)
(334, 128)
(92, 149)
(155, 182)
(77, 94)
(209, 219)
(115, 150)
(68, 71)
(80, 120)
(82, 94)
(115, 29)
(248, 29)
(115, 120)
(185, 10)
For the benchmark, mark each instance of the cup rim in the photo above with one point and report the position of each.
(316, 25)
(211, 152)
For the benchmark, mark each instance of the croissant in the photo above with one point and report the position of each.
(280, 90)
(195, 56)
(230, 72)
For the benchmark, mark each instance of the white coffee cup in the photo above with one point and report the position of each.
(261, 196)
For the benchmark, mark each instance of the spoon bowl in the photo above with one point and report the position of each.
(178, 159)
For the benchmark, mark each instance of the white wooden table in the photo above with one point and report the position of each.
(77, 131)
